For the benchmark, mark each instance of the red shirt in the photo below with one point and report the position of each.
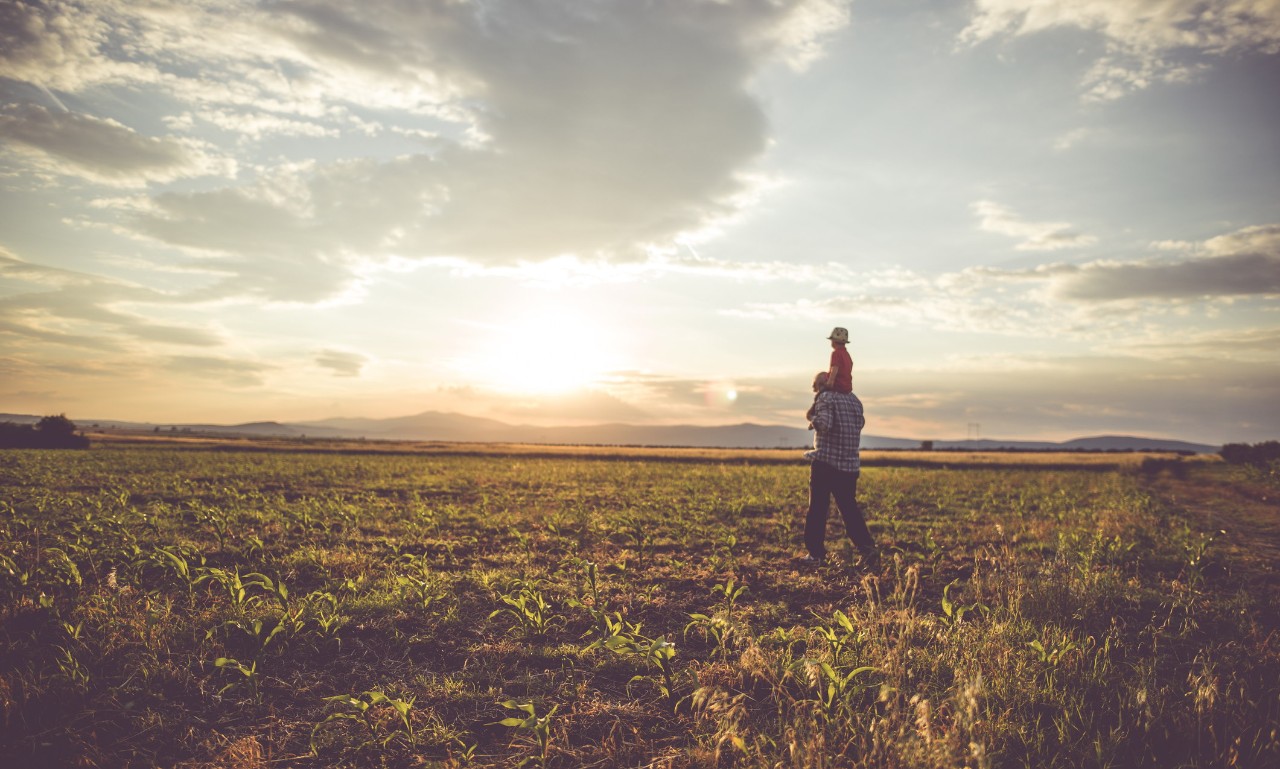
(842, 365)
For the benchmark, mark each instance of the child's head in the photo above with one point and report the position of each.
(820, 381)
(839, 336)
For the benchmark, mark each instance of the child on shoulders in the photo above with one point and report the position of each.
(840, 374)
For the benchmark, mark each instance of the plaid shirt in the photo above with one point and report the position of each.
(837, 424)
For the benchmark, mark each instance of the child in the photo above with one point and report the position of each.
(840, 375)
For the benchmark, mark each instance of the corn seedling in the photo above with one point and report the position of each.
(530, 609)
(605, 626)
(218, 519)
(933, 551)
(179, 563)
(526, 546)
(367, 710)
(713, 628)
(615, 632)
(420, 591)
(322, 608)
(248, 676)
(353, 586)
(1197, 555)
(639, 533)
(835, 688)
(15, 576)
(465, 754)
(952, 612)
(656, 652)
(62, 569)
(418, 585)
(1052, 654)
(731, 592)
(232, 584)
(261, 632)
(536, 728)
(837, 635)
(70, 669)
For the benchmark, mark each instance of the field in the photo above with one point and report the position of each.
(189, 605)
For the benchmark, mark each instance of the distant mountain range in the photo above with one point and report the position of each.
(442, 426)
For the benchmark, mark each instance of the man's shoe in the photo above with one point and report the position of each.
(872, 560)
(809, 560)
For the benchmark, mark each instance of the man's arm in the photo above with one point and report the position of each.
(823, 415)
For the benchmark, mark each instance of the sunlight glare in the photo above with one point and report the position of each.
(719, 394)
(551, 351)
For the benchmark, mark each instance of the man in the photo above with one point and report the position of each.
(836, 419)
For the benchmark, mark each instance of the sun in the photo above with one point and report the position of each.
(548, 352)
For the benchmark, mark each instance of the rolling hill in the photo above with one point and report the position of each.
(446, 426)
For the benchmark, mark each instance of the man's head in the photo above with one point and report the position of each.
(820, 381)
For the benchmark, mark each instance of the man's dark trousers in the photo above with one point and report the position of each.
(825, 482)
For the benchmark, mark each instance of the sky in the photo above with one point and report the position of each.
(1038, 220)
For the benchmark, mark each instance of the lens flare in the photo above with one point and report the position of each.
(719, 395)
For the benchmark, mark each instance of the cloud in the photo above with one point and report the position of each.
(601, 131)
(236, 373)
(1238, 264)
(59, 45)
(1072, 138)
(345, 364)
(1180, 396)
(1046, 396)
(585, 406)
(1249, 344)
(251, 125)
(575, 271)
(1035, 236)
(1098, 301)
(679, 400)
(1263, 239)
(77, 309)
(1210, 277)
(1148, 41)
(103, 150)
(931, 305)
(299, 235)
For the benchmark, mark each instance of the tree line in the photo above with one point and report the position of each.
(51, 432)
(1251, 454)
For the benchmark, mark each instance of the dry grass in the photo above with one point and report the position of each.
(871, 458)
